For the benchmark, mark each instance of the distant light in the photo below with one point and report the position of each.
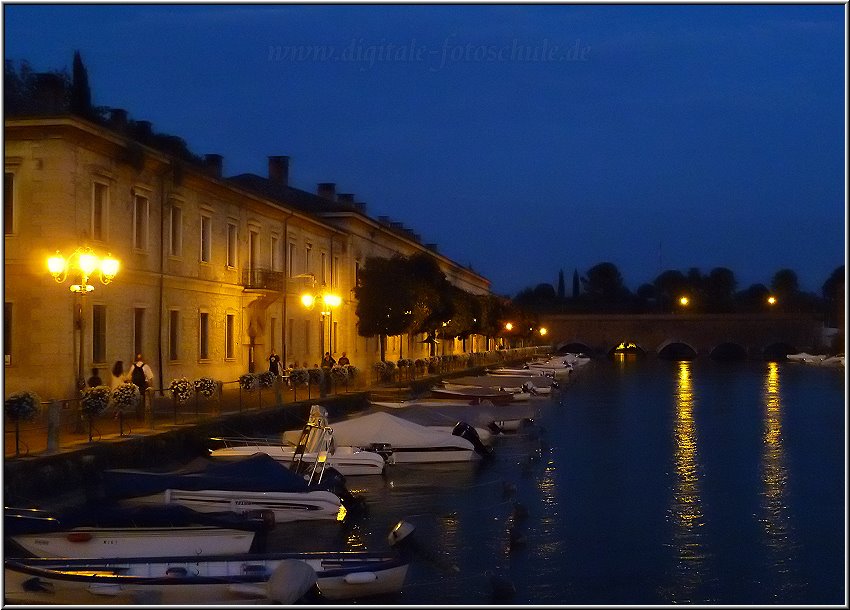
(543, 331)
(509, 326)
(684, 301)
(771, 300)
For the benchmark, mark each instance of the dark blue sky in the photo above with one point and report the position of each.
(521, 139)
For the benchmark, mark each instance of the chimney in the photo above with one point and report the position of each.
(49, 93)
(360, 206)
(345, 198)
(384, 219)
(431, 247)
(118, 119)
(213, 163)
(327, 190)
(279, 170)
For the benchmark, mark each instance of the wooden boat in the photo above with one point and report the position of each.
(315, 446)
(257, 482)
(132, 532)
(224, 579)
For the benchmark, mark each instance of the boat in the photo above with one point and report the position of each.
(518, 394)
(284, 577)
(805, 358)
(402, 441)
(138, 531)
(487, 419)
(833, 361)
(474, 395)
(535, 385)
(256, 482)
(316, 445)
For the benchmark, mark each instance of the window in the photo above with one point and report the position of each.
(290, 262)
(231, 245)
(138, 330)
(307, 251)
(174, 335)
(333, 338)
(98, 333)
(287, 338)
(275, 257)
(8, 203)
(253, 239)
(7, 332)
(324, 270)
(206, 237)
(273, 333)
(230, 336)
(307, 337)
(99, 202)
(335, 272)
(140, 222)
(204, 336)
(175, 247)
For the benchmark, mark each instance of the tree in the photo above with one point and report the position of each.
(561, 287)
(604, 286)
(576, 289)
(385, 294)
(669, 286)
(786, 288)
(752, 299)
(833, 296)
(80, 91)
(720, 287)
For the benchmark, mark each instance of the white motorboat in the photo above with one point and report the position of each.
(517, 393)
(316, 445)
(487, 418)
(833, 361)
(121, 532)
(257, 482)
(404, 441)
(473, 395)
(806, 358)
(222, 579)
(528, 384)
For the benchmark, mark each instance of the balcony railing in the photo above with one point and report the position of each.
(263, 279)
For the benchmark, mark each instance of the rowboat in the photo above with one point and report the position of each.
(132, 532)
(257, 482)
(316, 445)
(224, 579)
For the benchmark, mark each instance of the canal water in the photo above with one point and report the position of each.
(643, 482)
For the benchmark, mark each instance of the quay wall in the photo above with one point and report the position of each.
(73, 477)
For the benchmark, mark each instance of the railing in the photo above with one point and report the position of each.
(61, 423)
(263, 279)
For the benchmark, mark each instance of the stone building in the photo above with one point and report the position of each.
(212, 268)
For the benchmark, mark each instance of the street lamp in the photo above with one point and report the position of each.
(683, 301)
(82, 262)
(328, 301)
(771, 300)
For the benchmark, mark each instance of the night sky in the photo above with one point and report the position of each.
(522, 140)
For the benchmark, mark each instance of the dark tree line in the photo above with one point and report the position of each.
(411, 295)
(604, 291)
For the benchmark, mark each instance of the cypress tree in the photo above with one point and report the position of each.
(561, 288)
(80, 91)
(575, 284)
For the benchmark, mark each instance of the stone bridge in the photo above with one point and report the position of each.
(683, 335)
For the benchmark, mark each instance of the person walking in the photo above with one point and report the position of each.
(141, 375)
(118, 375)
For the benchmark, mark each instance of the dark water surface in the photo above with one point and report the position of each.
(644, 482)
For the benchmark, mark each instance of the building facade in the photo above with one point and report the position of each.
(212, 269)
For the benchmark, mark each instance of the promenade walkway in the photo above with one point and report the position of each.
(60, 427)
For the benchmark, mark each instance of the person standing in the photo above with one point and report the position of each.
(141, 375)
(327, 364)
(95, 379)
(343, 360)
(274, 364)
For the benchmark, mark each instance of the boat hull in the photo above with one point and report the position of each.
(228, 579)
(136, 542)
(287, 506)
(344, 459)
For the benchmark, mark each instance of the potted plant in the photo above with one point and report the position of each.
(125, 397)
(94, 402)
(22, 406)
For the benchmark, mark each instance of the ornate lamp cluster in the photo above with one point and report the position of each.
(87, 263)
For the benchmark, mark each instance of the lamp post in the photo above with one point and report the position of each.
(328, 302)
(82, 262)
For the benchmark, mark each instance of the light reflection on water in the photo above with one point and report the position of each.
(686, 509)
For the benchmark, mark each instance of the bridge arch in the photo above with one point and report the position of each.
(672, 349)
(625, 347)
(778, 351)
(728, 351)
(573, 347)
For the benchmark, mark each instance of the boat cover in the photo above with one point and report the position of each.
(382, 427)
(426, 414)
(257, 472)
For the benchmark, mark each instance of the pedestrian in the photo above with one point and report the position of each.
(327, 364)
(95, 379)
(118, 375)
(343, 360)
(274, 364)
(141, 375)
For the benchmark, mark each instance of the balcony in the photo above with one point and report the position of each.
(263, 280)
